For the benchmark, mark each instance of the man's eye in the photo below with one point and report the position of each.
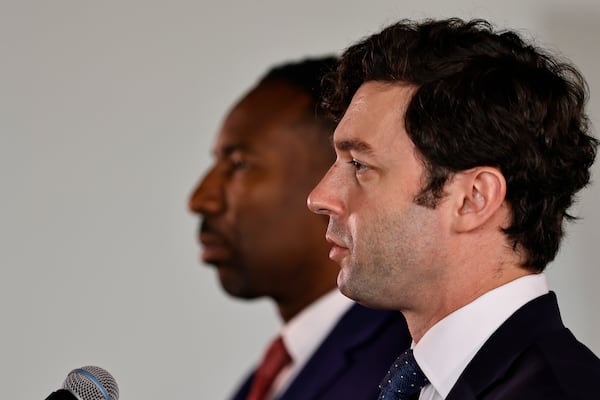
(239, 164)
(358, 166)
(238, 161)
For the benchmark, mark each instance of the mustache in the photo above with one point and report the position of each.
(340, 235)
(207, 226)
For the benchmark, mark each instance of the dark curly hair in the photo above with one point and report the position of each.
(485, 98)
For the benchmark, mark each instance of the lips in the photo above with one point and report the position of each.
(215, 248)
(338, 250)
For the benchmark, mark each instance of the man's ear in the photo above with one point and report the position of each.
(479, 194)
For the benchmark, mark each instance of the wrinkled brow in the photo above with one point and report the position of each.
(353, 144)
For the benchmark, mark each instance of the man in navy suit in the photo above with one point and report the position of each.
(273, 147)
(459, 152)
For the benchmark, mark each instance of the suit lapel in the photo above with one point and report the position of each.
(334, 355)
(244, 389)
(536, 318)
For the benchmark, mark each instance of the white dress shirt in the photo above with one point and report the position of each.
(304, 333)
(447, 347)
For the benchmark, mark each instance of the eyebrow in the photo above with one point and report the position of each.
(229, 149)
(353, 144)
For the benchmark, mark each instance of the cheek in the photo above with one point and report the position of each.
(372, 228)
(249, 198)
(363, 212)
(354, 226)
(260, 216)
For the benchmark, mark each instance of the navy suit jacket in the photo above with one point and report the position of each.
(532, 356)
(351, 361)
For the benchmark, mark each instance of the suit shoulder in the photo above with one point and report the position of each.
(568, 358)
(556, 367)
(375, 323)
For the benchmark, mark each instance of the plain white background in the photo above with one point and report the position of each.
(107, 113)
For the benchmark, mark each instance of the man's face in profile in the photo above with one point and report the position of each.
(386, 245)
(256, 229)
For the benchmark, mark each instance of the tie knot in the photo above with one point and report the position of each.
(404, 378)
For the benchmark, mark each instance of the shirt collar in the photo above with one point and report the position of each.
(305, 332)
(447, 347)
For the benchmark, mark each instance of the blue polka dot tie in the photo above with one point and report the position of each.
(403, 380)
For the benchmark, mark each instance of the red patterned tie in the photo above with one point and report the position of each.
(274, 360)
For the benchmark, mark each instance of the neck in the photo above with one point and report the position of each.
(289, 308)
(448, 299)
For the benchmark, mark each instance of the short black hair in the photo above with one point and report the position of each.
(308, 75)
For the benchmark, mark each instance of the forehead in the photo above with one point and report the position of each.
(268, 113)
(374, 118)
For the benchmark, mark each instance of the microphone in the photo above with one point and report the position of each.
(87, 383)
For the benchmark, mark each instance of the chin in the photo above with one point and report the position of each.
(239, 292)
(242, 295)
(231, 283)
(345, 289)
(355, 293)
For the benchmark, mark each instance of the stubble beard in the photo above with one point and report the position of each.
(388, 262)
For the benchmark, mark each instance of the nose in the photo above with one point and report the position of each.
(326, 197)
(207, 197)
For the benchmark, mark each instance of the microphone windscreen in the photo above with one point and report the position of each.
(92, 383)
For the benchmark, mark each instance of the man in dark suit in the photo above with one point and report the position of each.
(272, 148)
(459, 152)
